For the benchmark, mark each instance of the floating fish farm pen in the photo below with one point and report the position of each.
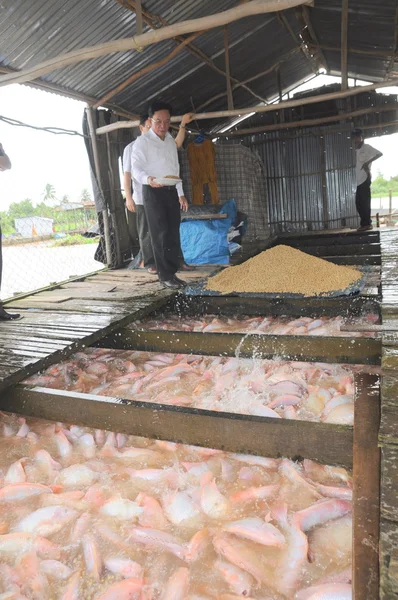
(364, 347)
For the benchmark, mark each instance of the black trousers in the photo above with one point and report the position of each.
(162, 210)
(1, 259)
(144, 237)
(362, 202)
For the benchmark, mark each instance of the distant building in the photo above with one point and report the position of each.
(29, 227)
(84, 204)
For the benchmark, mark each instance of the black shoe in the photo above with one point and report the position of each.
(171, 284)
(5, 316)
(181, 282)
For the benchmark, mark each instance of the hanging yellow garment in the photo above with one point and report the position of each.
(203, 171)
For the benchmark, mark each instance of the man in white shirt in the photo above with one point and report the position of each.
(365, 155)
(5, 164)
(155, 155)
(134, 197)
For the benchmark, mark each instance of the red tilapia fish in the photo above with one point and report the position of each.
(318, 326)
(265, 388)
(87, 514)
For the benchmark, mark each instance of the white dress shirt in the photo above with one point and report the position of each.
(153, 157)
(127, 168)
(365, 153)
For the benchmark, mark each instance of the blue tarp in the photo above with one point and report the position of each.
(205, 242)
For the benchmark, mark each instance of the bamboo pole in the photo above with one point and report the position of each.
(268, 108)
(344, 37)
(156, 21)
(311, 122)
(105, 216)
(254, 7)
(227, 70)
(145, 70)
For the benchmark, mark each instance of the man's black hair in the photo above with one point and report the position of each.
(143, 118)
(159, 105)
(356, 133)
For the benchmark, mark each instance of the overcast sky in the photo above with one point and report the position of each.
(39, 158)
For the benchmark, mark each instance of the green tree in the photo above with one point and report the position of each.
(49, 194)
(65, 199)
(24, 208)
(85, 196)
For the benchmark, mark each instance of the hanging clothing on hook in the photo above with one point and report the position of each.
(202, 166)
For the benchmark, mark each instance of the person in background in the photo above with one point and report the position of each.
(134, 202)
(134, 199)
(365, 155)
(155, 155)
(5, 164)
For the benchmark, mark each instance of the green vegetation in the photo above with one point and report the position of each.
(74, 240)
(382, 186)
(51, 208)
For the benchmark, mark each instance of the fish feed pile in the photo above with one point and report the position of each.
(284, 270)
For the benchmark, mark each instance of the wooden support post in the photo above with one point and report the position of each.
(280, 93)
(390, 207)
(105, 216)
(366, 489)
(227, 70)
(325, 202)
(138, 17)
(344, 38)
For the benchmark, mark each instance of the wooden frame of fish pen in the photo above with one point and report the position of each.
(332, 444)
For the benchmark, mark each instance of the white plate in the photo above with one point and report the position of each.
(167, 181)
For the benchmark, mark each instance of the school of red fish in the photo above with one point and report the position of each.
(89, 514)
(323, 326)
(267, 388)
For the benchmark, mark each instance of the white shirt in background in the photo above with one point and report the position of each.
(153, 157)
(127, 168)
(365, 153)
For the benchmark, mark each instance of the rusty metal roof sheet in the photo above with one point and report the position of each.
(32, 31)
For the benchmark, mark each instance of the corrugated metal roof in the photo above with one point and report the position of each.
(32, 31)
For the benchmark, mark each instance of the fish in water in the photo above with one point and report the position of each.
(140, 519)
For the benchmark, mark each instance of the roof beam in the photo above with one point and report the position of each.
(157, 22)
(146, 70)
(303, 16)
(311, 122)
(344, 45)
(270, 69)
(373, 52)
(390, 66)
(360, 89)
(300, 43)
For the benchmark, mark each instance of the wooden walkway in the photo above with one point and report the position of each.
(58, 322)
(388, 434)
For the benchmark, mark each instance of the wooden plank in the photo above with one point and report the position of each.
(344, 250)
(48, 297)
(389, 496)
(366, 488)
(388, 560)
(88, 285)
(355, 260)
(308, 307)
(25, 366)
(330, 444)
(303, 348)
(341, 240)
